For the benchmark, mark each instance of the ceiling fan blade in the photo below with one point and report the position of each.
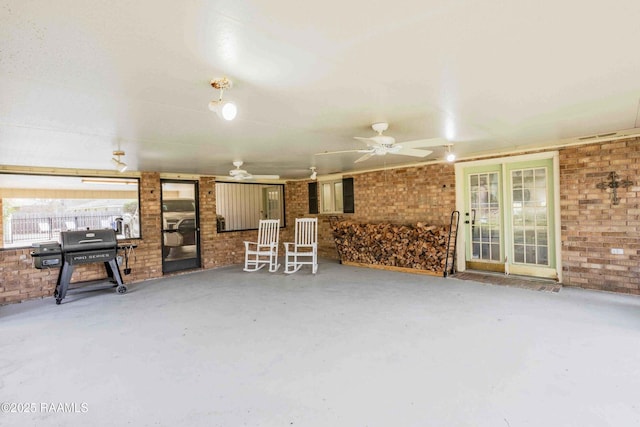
(371, 142)
(419, 143)
(365, 157)
(341, 151)
(377, 140)
(238, 174)
(413, 152)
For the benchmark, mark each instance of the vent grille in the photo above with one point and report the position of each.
(603, 135)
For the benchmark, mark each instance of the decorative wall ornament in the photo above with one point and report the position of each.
(614, 183)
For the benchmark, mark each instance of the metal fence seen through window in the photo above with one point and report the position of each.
(27, 229)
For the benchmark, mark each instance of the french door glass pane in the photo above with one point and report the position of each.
(485, 206)
(529, 211)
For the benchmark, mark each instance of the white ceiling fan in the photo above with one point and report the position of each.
(238, 174)
(381, 145)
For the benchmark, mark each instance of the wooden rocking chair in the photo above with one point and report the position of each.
(305, 246)
(265, 250)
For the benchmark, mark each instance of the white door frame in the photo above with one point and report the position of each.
(460, 200)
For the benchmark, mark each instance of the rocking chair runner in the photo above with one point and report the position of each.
(265, 250)
(304, 247)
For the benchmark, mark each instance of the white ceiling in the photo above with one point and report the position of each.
(79, 79)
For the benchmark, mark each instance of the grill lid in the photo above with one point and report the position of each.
(88, 240)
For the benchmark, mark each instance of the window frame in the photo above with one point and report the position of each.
(333, 198)
(283, 219)
(44, 176)
(347, 197)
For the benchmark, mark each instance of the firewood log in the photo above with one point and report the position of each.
(420, 246)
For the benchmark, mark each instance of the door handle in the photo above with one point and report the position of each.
(473, 217)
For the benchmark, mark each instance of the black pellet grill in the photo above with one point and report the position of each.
(82, 247)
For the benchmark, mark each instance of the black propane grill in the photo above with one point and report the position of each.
(84, 247)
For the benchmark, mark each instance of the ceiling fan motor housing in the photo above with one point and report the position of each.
(380, 127)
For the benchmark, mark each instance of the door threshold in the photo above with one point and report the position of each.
(514, 280)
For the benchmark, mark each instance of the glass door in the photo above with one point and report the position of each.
(484, 218)
(180, 229)
(509, 217)
(531, 218)
(271, 197)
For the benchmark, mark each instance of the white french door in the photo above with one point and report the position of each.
(271, 200)
(509, 215)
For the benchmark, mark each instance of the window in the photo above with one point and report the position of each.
(36, 208)
(331, 197)
(336, 196)
(239, 206)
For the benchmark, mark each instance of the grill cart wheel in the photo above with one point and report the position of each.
(121, 289)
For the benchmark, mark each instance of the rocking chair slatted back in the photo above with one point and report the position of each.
(304, 251)
(306, 231)
(265, 250)
(268, 231)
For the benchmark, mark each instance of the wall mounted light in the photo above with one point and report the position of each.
(119, 165)
(225, 109)
(314, 174)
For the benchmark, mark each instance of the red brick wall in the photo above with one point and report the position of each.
(592, 225)
(401, 196)
(207, 218)
(297, 206)
(406, 195)
(147, 263)
(19, 280)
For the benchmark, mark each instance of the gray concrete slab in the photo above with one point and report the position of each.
(347, 347)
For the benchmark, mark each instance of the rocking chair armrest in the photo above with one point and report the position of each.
(247, 244)
(258, 246)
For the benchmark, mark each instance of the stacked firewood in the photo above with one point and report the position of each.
(418, 246)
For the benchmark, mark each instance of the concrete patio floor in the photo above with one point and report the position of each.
(346, 347)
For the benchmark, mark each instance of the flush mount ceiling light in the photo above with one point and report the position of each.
(120, 165)
(314, 174)
(225, 109)
(451, 156)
